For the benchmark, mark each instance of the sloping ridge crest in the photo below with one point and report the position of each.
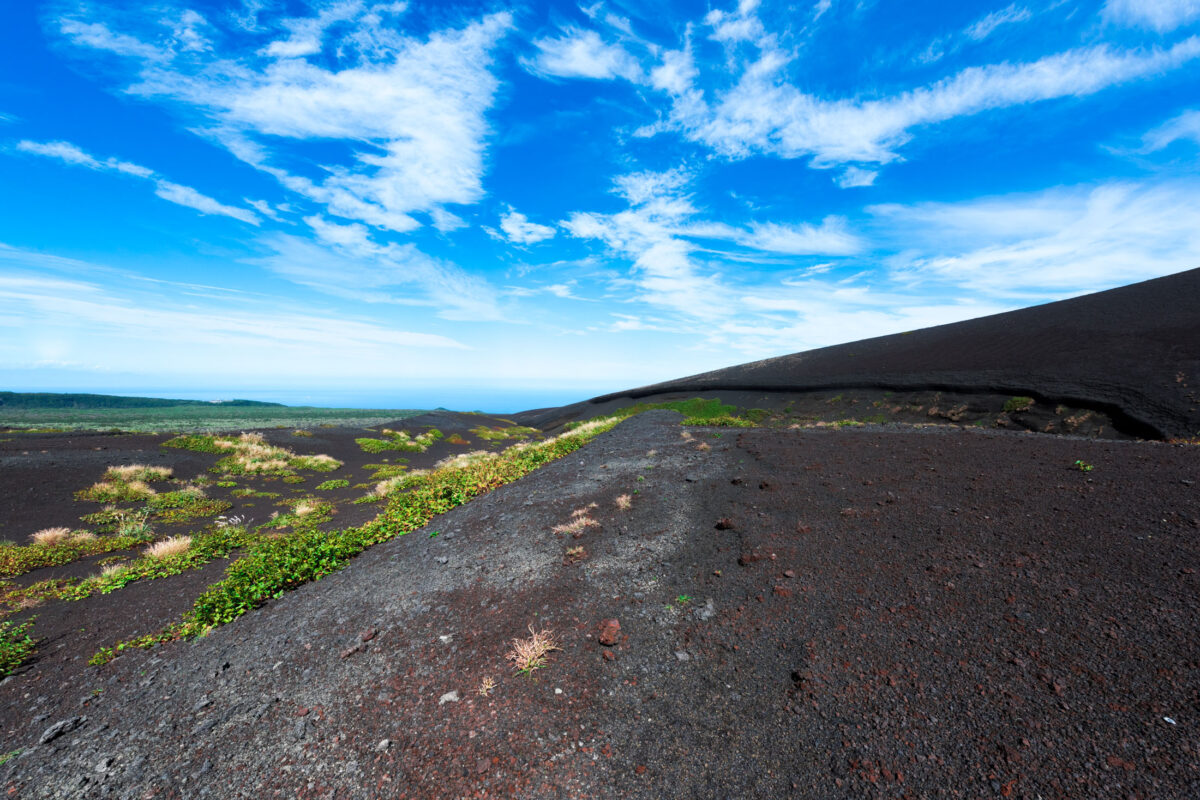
(1132, 352)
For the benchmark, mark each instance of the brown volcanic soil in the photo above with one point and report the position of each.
(1132, 354)
(872, 613)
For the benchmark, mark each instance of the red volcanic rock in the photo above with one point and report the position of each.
(610, 632)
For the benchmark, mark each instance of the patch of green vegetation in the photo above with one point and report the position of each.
(253, 493)
(723, 421)
(503, 434)
(400, 440)
(19, 559)
(696, 411)
(1017, 404)
(384, 471)
(339, 483)
(226, 484)
(115, 492)
(199, 443)
(185, 504)
(299, 432)
(292, 479)
(250, 454)
(1083, 466)
(16, 645)
(10, 755)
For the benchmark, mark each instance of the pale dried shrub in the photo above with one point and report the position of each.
(142, 472)
(624, 502)
(530, 654)
(169, 547)
(112, 569)
(251, 438)
(651, 454)
(685, 435)
(389, 485)
(139, 490)
(704, 447)
(465, 459)
(486, 686)
(269, 465)
(577, 525)
(82, 536)
(575, 554)
(48, 537)
(304, 507)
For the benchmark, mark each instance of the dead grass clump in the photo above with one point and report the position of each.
(486, 686)
(531, 653)
(305, 507)
(579, 522)
(112, 569)
(48, 537)
(704, 447)
(624, 502)
(169, 547)
(465, 459)
(138, 490)
(137, 472)
(576, 554)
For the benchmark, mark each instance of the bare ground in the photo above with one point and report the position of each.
(812, 613)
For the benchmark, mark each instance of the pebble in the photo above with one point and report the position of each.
(610, 632)
(682, 656)
(449, 697)
(383, 745)
(59, 728)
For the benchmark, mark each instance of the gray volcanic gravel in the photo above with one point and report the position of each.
(845, 614)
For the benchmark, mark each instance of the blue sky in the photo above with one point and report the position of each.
(476, 205)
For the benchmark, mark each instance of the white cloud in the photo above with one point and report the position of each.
(676, 73)
(1184, 126)
(582, 54)
(1161, 15)
(856, 176)
(984, 27)
(411, 111)
(189, 197)
(831, 237)
(820, 8)
(264, 208)
(765, 113)
(739, 26)
(350, 236)
(519, 230)
(1058, 242)
(171, 192)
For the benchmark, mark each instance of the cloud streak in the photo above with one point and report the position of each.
(167, 190)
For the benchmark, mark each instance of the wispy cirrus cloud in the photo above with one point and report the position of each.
(1054, 243)
(409, 110)
(167, 190)
(1184, 126)
(985, 26)
(1159, 15)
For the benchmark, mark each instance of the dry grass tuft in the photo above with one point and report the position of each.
(48, 537)
(580, 521)
(304, 507)
(113, 569)
(486, 686)
(83, 536)
(624, 502)
(704, 447)
(576, 554)
(169, 547)
(139, 472)
(139, 489)
(465, 459)
(530, 654)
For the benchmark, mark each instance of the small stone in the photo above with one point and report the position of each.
(368, 634)
(204, 703)
(787, 573)
(609, 655)
(383, 745)
(610, 632)
(104, 764)
(448, 697)
(442, 560)
(780, 591)
(557, 691)
(59, 728)
(349, 651)
(681, 655)
(481, 766)
(724, 524)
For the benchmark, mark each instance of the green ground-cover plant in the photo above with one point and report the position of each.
(338, 483)
(253, 493)
(384, 471)
(696, 411)
(19, 559)
(186, 504)
(1017, 404)
(400, 440)
(16, 644)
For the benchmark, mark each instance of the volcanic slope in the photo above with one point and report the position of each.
(1131, 353)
